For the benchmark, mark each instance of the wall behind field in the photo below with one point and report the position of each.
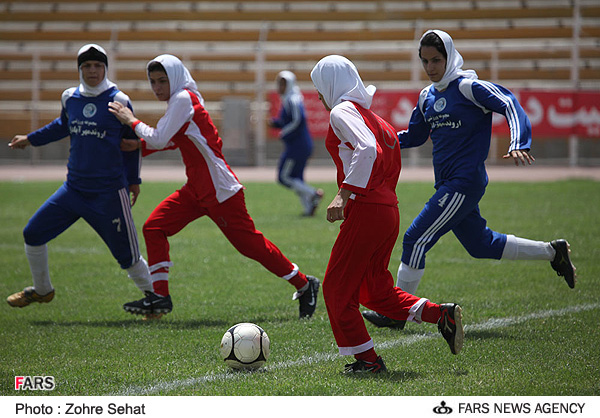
(235, 49)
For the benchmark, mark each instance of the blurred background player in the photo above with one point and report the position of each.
(99, 181)
(212, 188)
(297, 142)
(366, 154)
(456, 112)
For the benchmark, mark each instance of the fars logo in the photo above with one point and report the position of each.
(439, 105)
(34, 383)
(89, 110)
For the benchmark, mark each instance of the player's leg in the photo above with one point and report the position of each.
(345, 273)
(441, 213)
(50, 220)
(167, 219)
(482, 242)
(291, 175)
(238, 227)
(109, 214)
(446, 208)
(479, 240)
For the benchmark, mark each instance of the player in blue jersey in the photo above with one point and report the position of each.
(297, 141)
(102, 181)
(455, 111)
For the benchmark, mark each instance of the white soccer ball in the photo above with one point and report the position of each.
(245, 346)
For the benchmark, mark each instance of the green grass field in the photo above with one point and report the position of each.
(527, 333)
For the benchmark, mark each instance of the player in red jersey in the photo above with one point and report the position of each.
(365, 150)
(212, 188)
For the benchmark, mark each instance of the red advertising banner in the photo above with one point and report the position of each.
(552, 113)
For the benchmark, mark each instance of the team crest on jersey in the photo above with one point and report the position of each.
(89, 110)
(439, 105)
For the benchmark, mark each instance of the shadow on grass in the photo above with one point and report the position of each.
(391, 376)
(138, 323)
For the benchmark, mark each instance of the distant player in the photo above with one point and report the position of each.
(212, 189)
(100, 179)
(297, 141)
(456, 112)
(366, 154)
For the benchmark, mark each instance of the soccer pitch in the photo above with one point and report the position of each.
(527, 333)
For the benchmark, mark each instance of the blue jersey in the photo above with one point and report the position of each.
(294, 129)
(459, 122)
(96, 162)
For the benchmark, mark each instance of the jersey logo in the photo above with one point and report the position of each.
(89, 110)
(439, 105)
(442, 201)
(386, 130)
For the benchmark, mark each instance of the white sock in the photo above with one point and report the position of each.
(525, 249)
(37, 255)
(409, 278)
(304, 191)
(140, 275)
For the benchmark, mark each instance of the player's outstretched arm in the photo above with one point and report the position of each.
(123, 113)
(520, 156)
(19, 142)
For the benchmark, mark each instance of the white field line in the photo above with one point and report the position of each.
(493, 323)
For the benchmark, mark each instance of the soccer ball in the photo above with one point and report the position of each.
(245, 346)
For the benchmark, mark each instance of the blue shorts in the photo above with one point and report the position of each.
(450, 210)
(109, 213)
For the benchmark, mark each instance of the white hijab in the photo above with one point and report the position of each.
(337, 79)
(291, 88)
(179, 76)
(454, 62)
(104, 85)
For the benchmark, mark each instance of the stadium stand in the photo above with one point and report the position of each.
(520, 43)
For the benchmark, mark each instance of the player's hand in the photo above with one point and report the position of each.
(520, 156)
(19, 142)
(130, 144)
(335, 210)
(134, 191)
(123, 113)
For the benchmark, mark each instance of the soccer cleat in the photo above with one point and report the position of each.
(308, 297)
(314, 202)
(150, 306)
(450, 325)
(562, 262)
(361, 366)
(28, 296)
(383, 321)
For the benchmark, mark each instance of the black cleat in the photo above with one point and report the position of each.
(308, 298)
(383, 321)
(152, 304)
(361, 366)
(450, 325)
(562, 262)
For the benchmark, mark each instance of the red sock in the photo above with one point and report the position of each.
(161, 287)
(431, 313)
(298, 281)
(369, 356)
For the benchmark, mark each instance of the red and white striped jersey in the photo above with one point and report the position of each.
(366, 152)
(187, 126)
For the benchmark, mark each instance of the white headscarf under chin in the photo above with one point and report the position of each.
(179, 76)
(337, 79)
(291, 88)
(84, 88)
(454, 62)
